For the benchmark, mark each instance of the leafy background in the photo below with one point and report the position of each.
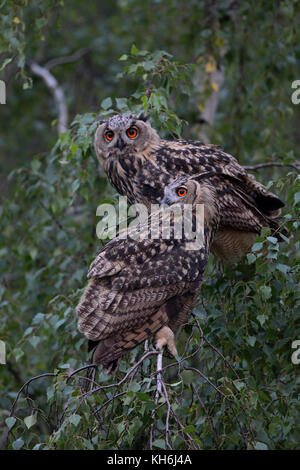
(239, 389)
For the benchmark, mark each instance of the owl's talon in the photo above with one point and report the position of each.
(165, 337)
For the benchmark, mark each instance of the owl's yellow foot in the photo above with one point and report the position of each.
(165, 337)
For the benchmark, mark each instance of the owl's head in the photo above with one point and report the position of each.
(199, 189)
(181, 191)
(124, 133)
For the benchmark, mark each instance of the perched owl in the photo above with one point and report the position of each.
(139, 164)
(143, 287)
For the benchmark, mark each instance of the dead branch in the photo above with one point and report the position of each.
(57, 92)
(217, 78)
(158, 376)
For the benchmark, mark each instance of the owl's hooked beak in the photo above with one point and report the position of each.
(166, 201)
(120, 143)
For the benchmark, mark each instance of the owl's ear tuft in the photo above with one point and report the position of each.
(143, 117)
(100, 119)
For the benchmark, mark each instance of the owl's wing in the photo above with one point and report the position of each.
(184, 157)
(132, 279)
(141, 261)
(238, 206)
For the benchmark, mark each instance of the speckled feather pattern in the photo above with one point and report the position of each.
(143, 169)
(137, 286)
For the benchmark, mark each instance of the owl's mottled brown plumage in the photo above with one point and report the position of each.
(141, 167)
(146, 286)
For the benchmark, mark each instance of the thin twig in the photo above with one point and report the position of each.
(295, 165)
(158, 377)
(66, 59)
(129, 373)
(48, 374)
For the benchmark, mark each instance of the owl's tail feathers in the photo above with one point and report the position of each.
(110, 351)
(267, 202)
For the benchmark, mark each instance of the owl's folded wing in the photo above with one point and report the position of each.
(113, 303)
(239, 209)
(192, 157)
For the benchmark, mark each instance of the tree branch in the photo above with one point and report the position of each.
(217, 78)
(295, 165)
(57, 92)
(158, 376)
(66, 59)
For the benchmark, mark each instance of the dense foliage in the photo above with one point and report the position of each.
(236, 386)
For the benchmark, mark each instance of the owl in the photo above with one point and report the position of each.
(143, 286)
(139, 165)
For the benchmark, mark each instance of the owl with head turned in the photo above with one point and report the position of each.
(146, 287)
(139, 165)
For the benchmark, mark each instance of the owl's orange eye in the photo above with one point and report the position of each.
(131, 132)
(181, 192)
(109, 135)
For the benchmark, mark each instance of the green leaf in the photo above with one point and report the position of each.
(18, 444)
(283, 268)
(257, 246)
(159, 443)
(75, 419)
(134, 387)
(149, 65)
(239, 385)
(260, 446)
(296, 198)
(189, 429)
(266, 292)
(106, 104)
(38, 318)
(75, 185)
(30, 421)
(142, 396)
(175, 384)
(121, 103)
(34, 341)
(18, 353)
(134, 50)
(5, 63)
(251, 258)
(262, 319)
(35, 165)
(10, 422)
(50, 392)
(251, 340)
(64, 366)
(37, 446)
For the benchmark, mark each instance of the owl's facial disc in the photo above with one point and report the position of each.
(121, 137)
(174, 195)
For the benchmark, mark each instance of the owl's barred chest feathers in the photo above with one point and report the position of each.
(142, 176)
